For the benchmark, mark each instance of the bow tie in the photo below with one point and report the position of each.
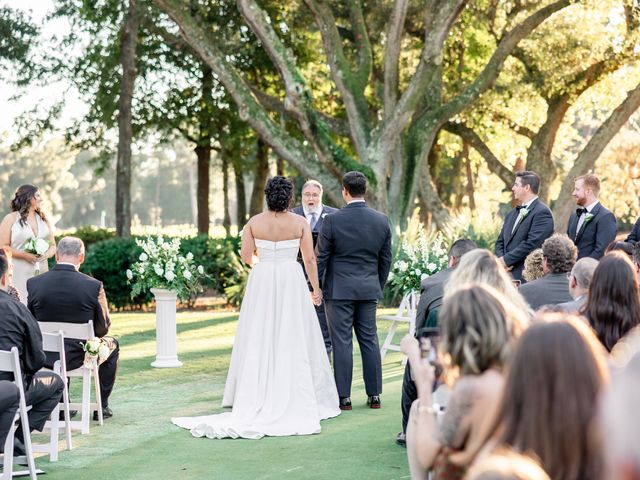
(580, 211)
(520, 207)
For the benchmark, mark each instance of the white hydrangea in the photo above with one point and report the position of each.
(158, 269)
(200, 269)
(189, 256)
(144, 257)
(432, 266)
(169, 275)
(129, 274)
(187, 274)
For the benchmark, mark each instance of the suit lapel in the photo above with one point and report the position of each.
(573, 223)
(585, 224)
(531, 208)
(509, 232)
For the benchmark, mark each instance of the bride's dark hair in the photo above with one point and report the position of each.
(279, 194)
(22, 202)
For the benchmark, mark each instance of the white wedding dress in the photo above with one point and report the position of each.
(279, 381)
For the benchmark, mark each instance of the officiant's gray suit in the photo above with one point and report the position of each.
(354, 257)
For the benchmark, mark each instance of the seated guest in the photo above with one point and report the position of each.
(431, 293)
(533, 266)
(579, 281)
(482, 266)
(558, 257)
(479, 329)
(625, 247)
(505, 464)
(10, 289)
(63, 294)
(9, 404)
(613, 306)
(634, 236)
(18, 328)
(551, 394)
(620, 422)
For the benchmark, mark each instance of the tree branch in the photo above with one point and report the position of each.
(494, 164)
(392, 55)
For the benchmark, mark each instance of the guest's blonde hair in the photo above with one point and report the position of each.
(479, 327)
(533, 266)
(506, 464)
(482, 266)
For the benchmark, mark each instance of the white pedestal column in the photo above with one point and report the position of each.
(166, 341)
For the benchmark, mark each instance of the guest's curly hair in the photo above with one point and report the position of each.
(279, 194)
(533, 266)
(22, 202)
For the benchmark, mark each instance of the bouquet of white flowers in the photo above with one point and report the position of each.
(417, 261)
(36, 246)
(160, 265)
(95, 348)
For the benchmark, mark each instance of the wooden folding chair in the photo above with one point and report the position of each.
(80, 331)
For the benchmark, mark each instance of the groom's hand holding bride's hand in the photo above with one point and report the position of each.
(316, 297)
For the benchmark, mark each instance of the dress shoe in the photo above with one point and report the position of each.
(106, 413)
(72, 413)
(345, 403)
(401, 439)
(373, 401)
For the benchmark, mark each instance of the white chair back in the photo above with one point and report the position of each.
(10, 362)
(82, 331)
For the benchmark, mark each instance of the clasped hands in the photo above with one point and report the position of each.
(316, 297)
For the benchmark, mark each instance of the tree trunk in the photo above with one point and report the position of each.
(280, 166)
(226, 218)
(204, 162)
(241, 197)
(203, 149)
(260, 178)
(129, 42)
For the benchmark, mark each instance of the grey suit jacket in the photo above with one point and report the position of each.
(431, 293)
(551, 289)
(574, 306)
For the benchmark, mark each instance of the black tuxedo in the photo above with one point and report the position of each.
(529, 234)
(594, 235)
(65, 295)
(354, 257)
(322, 318)
(634, 236)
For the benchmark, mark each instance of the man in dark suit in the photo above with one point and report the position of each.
(18, 328)
(431, 294)
(579, 281)
(634, 236)
(315, 212)
(526, 226)
(63, 294)
(558, 258)
(592, 227)
(354, 257)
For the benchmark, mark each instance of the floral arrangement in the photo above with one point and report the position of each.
(36, 246)
(160, 265)
(94, 348)
(418, 260)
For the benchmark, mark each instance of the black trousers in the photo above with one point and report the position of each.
(409, 395)
(322, 319)
(345, 317)
(43, 393)
(9, 404)
(107, 369)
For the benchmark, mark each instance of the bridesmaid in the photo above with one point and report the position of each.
(26, 221)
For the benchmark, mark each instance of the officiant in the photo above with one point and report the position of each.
(315, 212)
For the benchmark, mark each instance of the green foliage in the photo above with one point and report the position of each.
(108, 261)
(90, 235)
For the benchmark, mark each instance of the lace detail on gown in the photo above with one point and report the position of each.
(279, 381)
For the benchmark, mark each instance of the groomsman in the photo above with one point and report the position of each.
(592, 227)
(354, 257)
(315, 212)
(525, 227)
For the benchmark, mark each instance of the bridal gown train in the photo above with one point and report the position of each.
(279, 381)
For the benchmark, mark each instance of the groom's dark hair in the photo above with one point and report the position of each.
(527, 177)
(355, 183)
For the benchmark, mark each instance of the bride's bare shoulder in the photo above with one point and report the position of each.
(10, 217)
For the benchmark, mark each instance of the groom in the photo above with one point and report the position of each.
(314, 211)
(354, 256)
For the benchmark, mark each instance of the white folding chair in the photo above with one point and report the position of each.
(54, 342)
(80, 331)
(406, 314)
(10, 362)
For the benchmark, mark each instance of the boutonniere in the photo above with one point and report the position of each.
(587, 217)
(523, 212)
(323, 215)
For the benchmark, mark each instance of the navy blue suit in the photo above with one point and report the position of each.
(529, 234)
(595, 235)
(354, 258)
(322, 318)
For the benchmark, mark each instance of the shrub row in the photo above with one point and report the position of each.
(108, 258)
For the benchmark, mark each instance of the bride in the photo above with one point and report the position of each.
(279, 381)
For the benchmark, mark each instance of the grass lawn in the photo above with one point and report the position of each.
(140, 442)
